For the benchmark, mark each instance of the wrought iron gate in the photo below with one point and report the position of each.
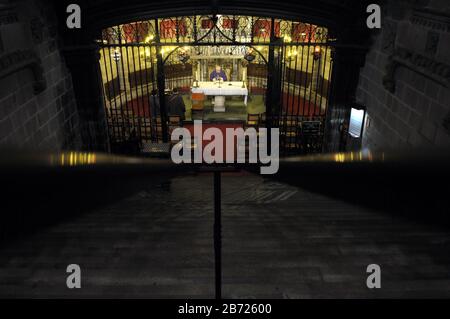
(285, 64)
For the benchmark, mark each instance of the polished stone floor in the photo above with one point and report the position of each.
(279, 242)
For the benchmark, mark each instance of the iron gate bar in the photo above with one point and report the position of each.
(300, 111)
(144, 83)
(107, 95)
(321, 82)
(295, 84)
(323, 79)
(135, 117)
(110, 88)
(218, 233)
(119, 66)
(121, 80)
(311, 83)
(117, 94)
(130, 120)
(270, 88)
(161, 84)
(306, 80)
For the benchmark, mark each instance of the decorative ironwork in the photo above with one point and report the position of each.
(215, 29)
(289, 60)
(136, 32)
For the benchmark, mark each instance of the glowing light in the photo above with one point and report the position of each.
(116, 55)
(292, 53)
(356, 122)
(149, 38)
(73, 159)
(339, 158)
(287, 38)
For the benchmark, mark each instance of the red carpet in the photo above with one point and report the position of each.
(140, 106)
(292, 105)
(296, 105)
(221, 126)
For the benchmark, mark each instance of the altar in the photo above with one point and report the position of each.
(221, 89)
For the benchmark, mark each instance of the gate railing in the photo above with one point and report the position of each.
(144, 57)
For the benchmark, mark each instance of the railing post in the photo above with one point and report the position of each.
(218, 234)
(274, 80)
(161, 83)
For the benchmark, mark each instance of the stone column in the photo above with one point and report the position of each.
(83, 63)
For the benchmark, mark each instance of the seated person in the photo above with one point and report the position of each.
(218, 74)
(175, 104)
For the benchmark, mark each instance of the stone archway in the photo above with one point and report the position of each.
(343, 19)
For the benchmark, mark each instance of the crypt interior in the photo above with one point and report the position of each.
(86, 121)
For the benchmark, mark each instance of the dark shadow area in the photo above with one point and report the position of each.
(414, 188)
(36, 197)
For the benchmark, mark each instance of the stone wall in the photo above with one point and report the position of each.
(405, 83)
(37, 103)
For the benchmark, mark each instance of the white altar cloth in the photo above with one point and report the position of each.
(223, 89)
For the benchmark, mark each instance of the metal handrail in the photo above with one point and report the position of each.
(10, 159)
(398, 180)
